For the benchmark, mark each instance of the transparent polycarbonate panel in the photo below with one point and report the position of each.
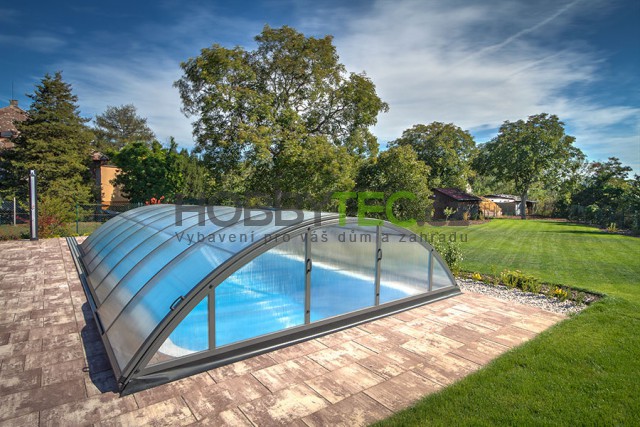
(153, 302)
(441, 278)
(174, 276)
(189, 337)
(128, 233)
(131, 250)
(105, 229)
(147, 260)
(404, 268)
(266, 295)
(343, 273)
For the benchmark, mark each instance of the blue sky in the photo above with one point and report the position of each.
(475, 64)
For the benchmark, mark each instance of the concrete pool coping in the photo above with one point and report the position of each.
(54, 370)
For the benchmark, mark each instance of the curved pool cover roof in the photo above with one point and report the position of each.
(177, 290)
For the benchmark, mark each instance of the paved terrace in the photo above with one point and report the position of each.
(54, 371)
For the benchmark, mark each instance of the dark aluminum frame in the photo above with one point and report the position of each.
(137, 376)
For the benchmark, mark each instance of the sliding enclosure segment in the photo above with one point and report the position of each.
(179, 299)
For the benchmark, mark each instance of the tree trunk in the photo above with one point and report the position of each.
(523, 204)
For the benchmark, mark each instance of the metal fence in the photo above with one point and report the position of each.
(12, 211)
(90, 216)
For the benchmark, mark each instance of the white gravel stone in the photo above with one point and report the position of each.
(536, 300)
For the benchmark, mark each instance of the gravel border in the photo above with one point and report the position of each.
(528, 298)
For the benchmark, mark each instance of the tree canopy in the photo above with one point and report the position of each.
(287, 113)
(396, 170)
(151, 171)
(529, 152)
(119, 125)
(54, 141)
(445, 148)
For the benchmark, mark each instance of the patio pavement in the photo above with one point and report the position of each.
(54, 370)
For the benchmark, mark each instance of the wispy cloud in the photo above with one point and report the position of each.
(471, 63)
(39, 42)
(479, 64)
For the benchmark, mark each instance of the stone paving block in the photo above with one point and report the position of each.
(432, 344)
(230, 417)
(64, 371)
(344, 382)
(480, 352)
(356, 410)
(446, 368)
(27, 420)
(418, 328)
(87, 411)
(20, 348)
(464, 332)
(402, 391)
(63, 340)
(282, 375)
(173, 412)
(341, 355)
(11, 382)
(4, 338)
(283, 407)
(12, 364)
(38, 399)
(380, 343)
(510, 336)
(392, 362)
(242, 367)
(52, 357)
(341, 337)
(298, 350)
(51, 330)
(380, 326)
(221, 396)
(175, 388)
(19, 336)
(535, 324)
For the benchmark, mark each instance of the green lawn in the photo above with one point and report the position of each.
(583, 371)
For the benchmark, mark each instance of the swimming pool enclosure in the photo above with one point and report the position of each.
(177, 290)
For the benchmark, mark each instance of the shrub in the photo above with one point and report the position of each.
(451, 253)
(54, 216)
(516, 279)
(612, 228)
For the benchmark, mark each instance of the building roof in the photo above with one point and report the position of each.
(9, 115)
(458, 195)
(509, 196)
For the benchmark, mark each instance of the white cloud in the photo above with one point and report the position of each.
(479, 64)
(474, 64)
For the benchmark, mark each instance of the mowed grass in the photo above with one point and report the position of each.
(583, 371)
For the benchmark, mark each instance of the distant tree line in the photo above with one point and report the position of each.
(285, 125)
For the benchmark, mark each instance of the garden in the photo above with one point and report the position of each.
(583, 371)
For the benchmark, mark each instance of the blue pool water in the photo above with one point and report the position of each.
(268, 294)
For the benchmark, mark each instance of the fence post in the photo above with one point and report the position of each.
(14, 212)
(77, 220)
(33, 205)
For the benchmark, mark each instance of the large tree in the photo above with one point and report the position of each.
(605, 192)
(286, 113)
(529, 152)
(54, 141)
(119, 125)
(398, 171)
(445, 148)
